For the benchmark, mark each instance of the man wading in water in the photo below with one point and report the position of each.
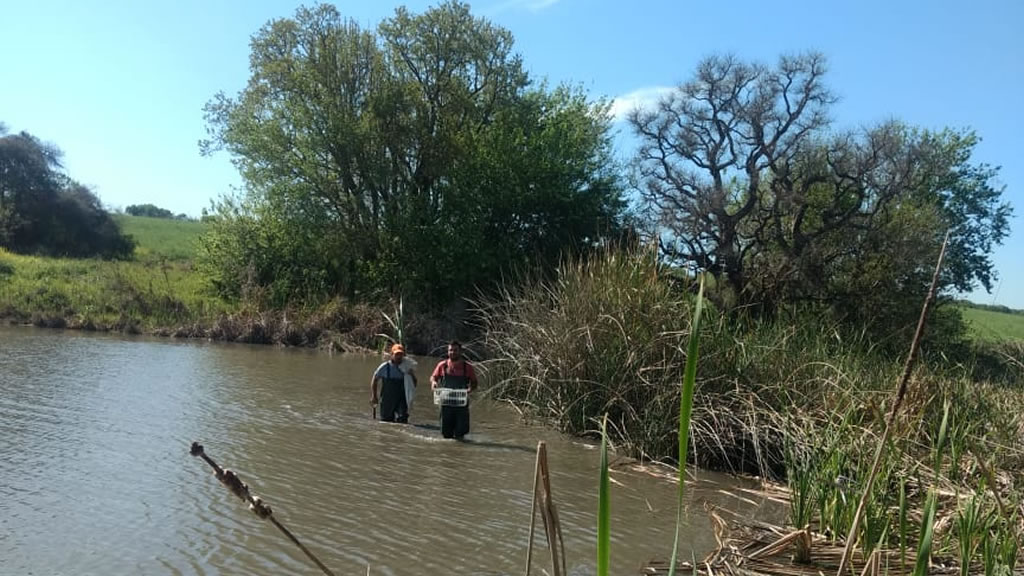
(393, 407)
(454, 373)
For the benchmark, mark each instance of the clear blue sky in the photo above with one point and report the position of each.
(120, 85)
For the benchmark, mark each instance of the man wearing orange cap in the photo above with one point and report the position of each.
(393, 407)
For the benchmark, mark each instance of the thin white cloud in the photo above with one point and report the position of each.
(640, 98)
(528, 5)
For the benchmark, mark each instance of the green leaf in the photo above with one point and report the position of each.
(924, 550)
(685, 409)
(603, 506)
(943, 433)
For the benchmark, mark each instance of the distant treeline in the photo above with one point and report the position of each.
(991, 307)
(151, 211)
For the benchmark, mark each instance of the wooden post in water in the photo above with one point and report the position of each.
(533, 508)
(552, 527)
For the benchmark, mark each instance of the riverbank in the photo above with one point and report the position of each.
(606, 337)
(165, 297)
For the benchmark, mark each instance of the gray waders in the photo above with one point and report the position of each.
(393, 407)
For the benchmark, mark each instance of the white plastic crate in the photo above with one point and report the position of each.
(451, 397)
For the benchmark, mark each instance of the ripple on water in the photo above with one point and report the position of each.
(96, 477)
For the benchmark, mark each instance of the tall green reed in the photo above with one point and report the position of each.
(603, 507)
(940, 440)
(801, 476)
(990, 553)
(875, 527)
(924, 549)
(903, 524)
(1008, 549)
(685, 410)
(927, 533)
(396, 324)
(998, 543)
(972, 522)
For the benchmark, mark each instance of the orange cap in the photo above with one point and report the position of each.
(397, 349)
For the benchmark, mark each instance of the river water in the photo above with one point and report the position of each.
(96, 476)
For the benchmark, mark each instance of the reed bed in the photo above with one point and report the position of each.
(801, 401)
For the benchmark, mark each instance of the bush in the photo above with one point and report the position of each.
(607, 335)
(43, 211)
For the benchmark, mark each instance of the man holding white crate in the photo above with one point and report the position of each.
(454, 373)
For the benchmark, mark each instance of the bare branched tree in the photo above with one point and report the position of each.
(706, 148)
(743, 176)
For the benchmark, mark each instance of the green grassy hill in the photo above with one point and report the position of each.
(159, 288)
(161, 238)
(992, 325)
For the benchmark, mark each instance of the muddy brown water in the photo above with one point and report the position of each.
(95, 475)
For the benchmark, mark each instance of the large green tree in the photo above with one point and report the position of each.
(744, 175)
(42, 210)
(418, 158)
(29, 184)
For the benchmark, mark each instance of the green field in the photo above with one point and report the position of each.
(102, 293)
(994, 326)
(161, 292)
(161, 238)
(158, 288)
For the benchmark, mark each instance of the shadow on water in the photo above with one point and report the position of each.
(416, 430)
